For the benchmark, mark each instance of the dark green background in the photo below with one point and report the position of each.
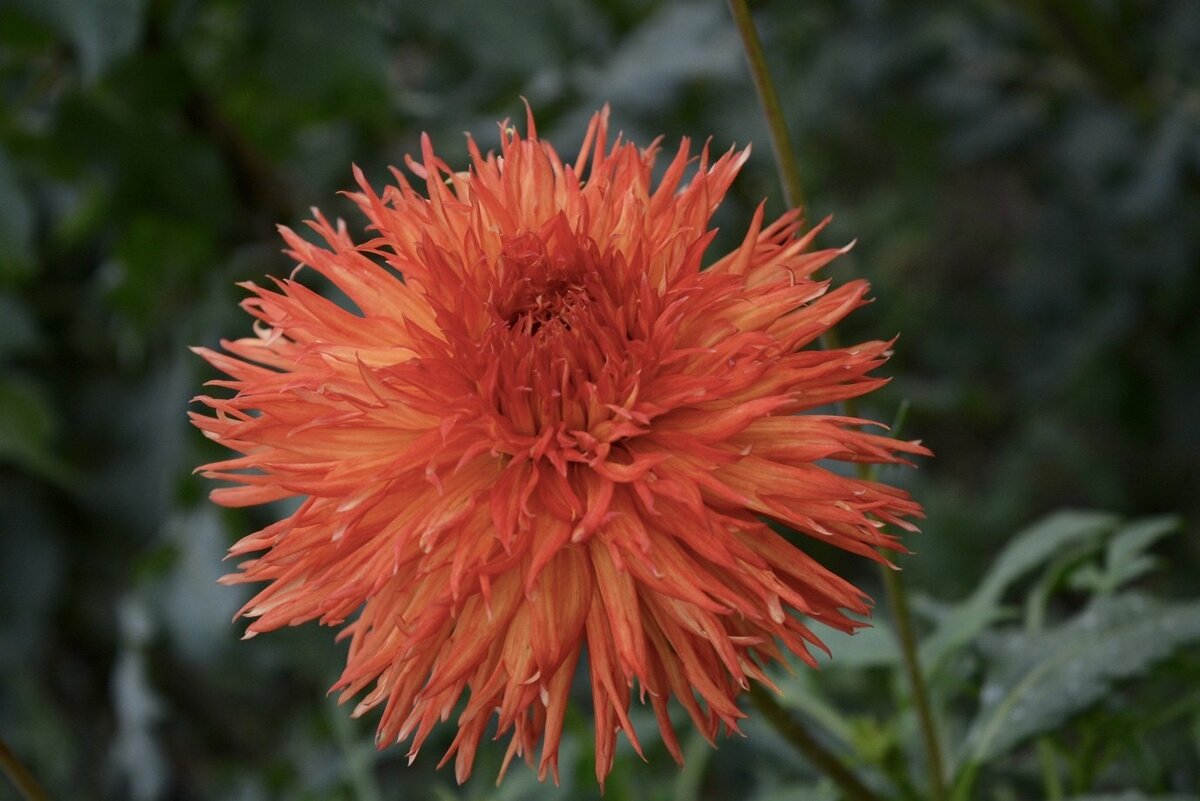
(1023, 180)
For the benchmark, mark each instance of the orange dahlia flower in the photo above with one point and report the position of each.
(547, 426)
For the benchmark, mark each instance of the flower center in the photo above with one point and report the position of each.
(556, 361)
(537, 306)
(539, 291)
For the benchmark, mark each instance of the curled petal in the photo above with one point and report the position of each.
(542, 437)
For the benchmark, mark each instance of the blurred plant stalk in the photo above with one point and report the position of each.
(792, 730)
(781, 140)
(19, 775)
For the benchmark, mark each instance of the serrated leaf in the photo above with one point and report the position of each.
(1031, 548)
(1126, 559)
(1070, 562)
(1040, 679)
(1038, 543)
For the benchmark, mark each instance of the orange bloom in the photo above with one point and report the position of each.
(546, 427)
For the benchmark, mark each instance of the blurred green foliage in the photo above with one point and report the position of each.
(1023, 181)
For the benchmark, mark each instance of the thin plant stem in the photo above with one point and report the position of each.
(898, 602)
(785, 155)
(818, 755)
(791, 729)
(893, 583)
(789, 173)
(1051, 781)
(19, 775)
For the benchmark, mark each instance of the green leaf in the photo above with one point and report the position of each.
(798, 693)
(1067, 564)
(1126, 559)
(18, 334)
(685, 42)
(1040, 679)
(798, 791)
(1030, 549)
(1037, 544)
(16, 226)
(26, 428)
(872, 646)
(156, 263)
(100, 30)
(697, 756)
(801, 691)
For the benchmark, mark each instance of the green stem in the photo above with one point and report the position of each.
(898, 601)
(818, 755)
(785, 155)
(19, 775)
(789, 171)
(781, 140)
(1051, 782)
(897, 595)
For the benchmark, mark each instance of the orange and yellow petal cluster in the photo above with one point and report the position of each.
(546, 430)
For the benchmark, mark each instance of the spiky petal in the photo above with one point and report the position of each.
(545, 426)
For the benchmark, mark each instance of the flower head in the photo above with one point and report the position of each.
(546, 426)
